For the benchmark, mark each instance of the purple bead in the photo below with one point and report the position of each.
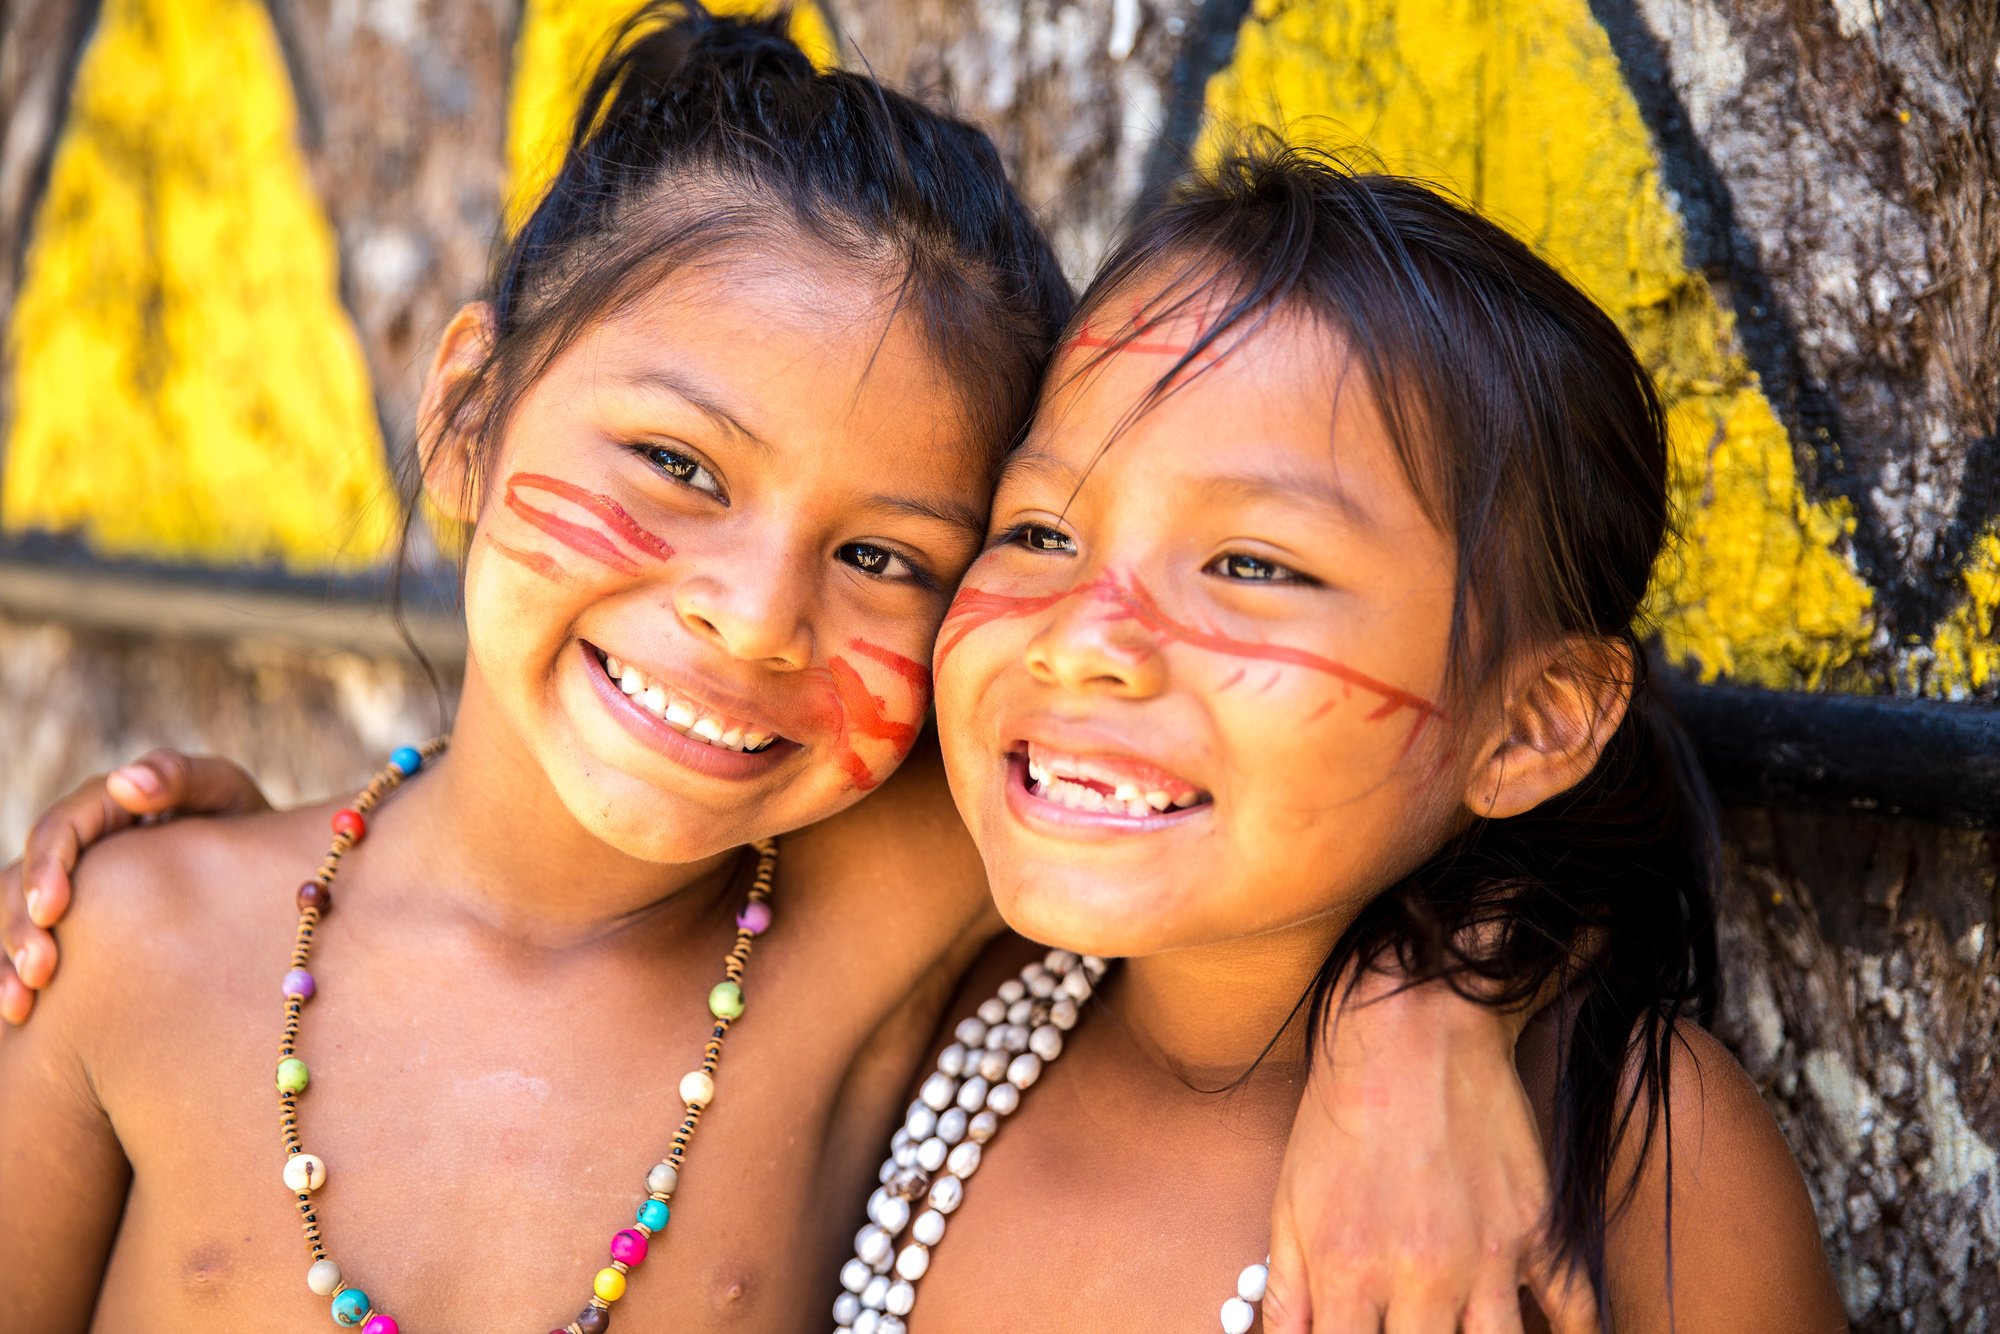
(755, 918)
(299, 983)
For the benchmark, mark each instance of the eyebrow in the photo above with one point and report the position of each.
(1309, 490)
(955, 512)
(695, 396)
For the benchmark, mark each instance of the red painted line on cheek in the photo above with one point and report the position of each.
(540, 562)
(975, 608)
(864, 709)
(606, 510)
(587, 542)
(918, 675)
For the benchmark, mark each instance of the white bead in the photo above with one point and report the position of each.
(845, 1307)
(972, 1094)
(946, 1194)
(983, 1126)
(1250, 1284)
(697, 1087)
(1042, 984)
(1025, 1070)
(323, 1278)
(931, 1154)
(875, 1291)
(1062, 1013)
(1046, 1041)
(1012, 990)
(938, 1090)
(868, 1322)
(1060, 961)
(854, 1276)
(952, 1059)
(995, 1036)
(872, 1244)
(913, 1261)
(906, 1154)
(1004, 1099)
(890, 1212)
(1094, 966)
(928, 1229)
(922, 1121)
(993, 1011)
(951, 1126)
(887, 1170)
(993, 1065)
(1077, 985)
(890, 1325)
(1014, 1038)
(664, 1179)
(964, 1160)
(1237, 1316)
(900, 1299)
(971, 1031)
(304, 1172)
(1018, 1012)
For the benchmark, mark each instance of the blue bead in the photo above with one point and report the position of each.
(350, 1307)
(653, 1215)
(407, 759)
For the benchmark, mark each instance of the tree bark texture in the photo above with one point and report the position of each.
(1834, 171)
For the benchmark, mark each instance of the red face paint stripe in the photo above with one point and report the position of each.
(607, 511)
(918, 675)
(583, 541)
(540, 562)
(976, 607)
(864, 710)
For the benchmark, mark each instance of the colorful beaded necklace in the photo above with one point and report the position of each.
(998, 1053)
(305, 1173)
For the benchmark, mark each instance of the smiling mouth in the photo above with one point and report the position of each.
(682, 712)
(1106, 784)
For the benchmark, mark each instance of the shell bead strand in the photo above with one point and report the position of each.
(999, 1053)
(304, 1173)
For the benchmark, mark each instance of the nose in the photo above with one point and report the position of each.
(755, 610)
(1095, 643)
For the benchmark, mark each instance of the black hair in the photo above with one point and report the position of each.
(700, 133)
(1537, 442)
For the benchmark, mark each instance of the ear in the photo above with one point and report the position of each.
(1560, 709)
(446, 445)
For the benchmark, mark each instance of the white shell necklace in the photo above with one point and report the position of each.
(979, 1079)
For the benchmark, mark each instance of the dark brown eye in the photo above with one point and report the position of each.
(867, 559)
(1252, 569)
(1040, 537)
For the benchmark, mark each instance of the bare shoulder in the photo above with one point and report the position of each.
(165, 909)
(903, 847)
(1746, 1246)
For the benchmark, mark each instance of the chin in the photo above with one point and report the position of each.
(1086, 916)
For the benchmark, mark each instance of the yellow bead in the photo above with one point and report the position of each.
(609, 1284)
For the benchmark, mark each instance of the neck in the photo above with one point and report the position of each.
(489, 839)
(1209, 1013)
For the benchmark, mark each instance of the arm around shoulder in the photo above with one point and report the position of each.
(1746, 1247)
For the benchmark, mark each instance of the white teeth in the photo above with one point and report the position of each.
(1127, 792)
(1189, 799)
(678, 714)
(1079, 794)
(1159, 801)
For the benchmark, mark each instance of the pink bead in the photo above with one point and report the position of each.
(628, 1247)
(381, 1324)
(755, 918)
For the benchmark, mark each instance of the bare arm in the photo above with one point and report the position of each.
(1414, 1188)
(63, 1176)
(35, 891)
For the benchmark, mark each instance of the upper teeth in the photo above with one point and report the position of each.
(684, 716)
(1124, 799)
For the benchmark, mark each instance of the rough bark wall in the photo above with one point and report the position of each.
(1793, 210)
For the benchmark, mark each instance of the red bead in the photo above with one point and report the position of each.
(350, 823)
(629, 1247)
(312, 894)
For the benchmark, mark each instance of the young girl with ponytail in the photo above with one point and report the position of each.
(1303, 646)
(721, 433)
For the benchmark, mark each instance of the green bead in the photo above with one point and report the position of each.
(293, 1075)
(725, 1000)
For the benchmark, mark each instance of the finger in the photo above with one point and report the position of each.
(1345, 1313)
(55, 842)
(1566, 1298)
(1495, 1308)
(1287, 1306)
(33, 956)
(1422, 1312)
(15, 1000)
(167, 780)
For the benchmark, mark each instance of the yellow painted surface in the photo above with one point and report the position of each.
(186, 381)
(1520, 106)
(1966, 650)
(561, 43)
